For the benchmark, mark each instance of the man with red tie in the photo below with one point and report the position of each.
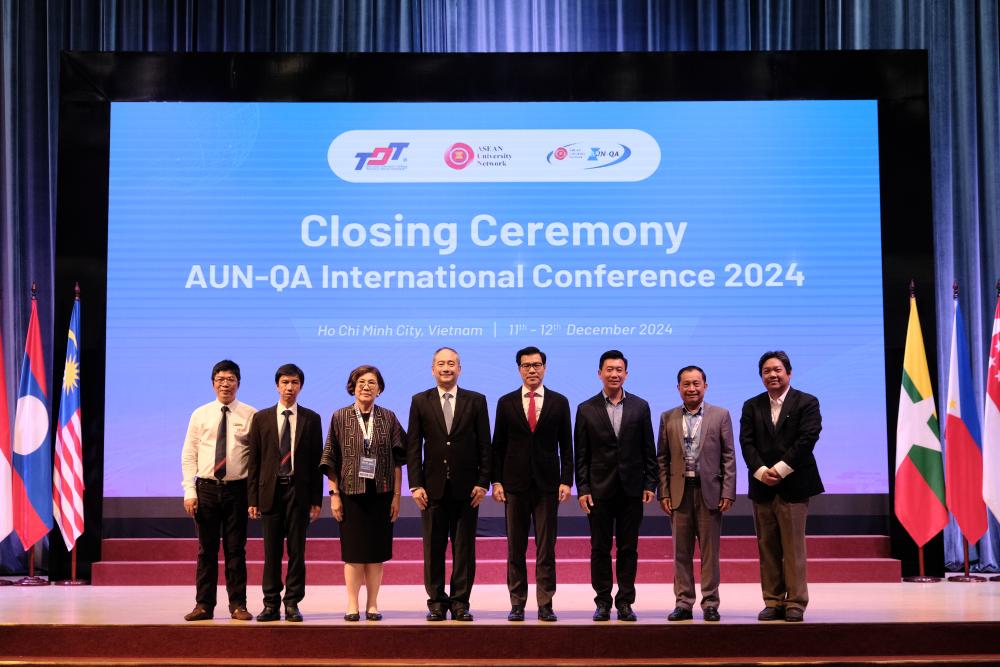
(214, 464)
(532, 474)
(285, 489)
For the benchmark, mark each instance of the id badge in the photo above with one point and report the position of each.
(367, 470)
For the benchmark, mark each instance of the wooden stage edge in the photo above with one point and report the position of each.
(849, 624)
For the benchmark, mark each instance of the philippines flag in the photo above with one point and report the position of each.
(6, 498)
(67, 474)
(962, 454)
(32, 479)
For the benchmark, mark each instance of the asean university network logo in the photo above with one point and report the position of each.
(379, 158)
(459, 156)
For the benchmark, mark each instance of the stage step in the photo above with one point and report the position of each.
(840, 558)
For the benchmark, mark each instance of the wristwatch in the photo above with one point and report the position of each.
(334, 492)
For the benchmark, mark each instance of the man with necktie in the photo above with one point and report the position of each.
(532, 473)
(214, 465)
(448, 466)
(285, 489)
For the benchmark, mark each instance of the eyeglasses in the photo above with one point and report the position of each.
(225, 380)
(533, 365)
(367, 383)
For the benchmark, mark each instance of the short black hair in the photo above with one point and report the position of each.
(226, 365)
(527, 352)
(289, 369)
(458, 357)
(704, 378)
(612, 354)
(352, 379)
(774, 354)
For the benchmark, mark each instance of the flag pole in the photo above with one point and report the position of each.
(73, 581)
(966, 577)
(31, 579)
(3, 397)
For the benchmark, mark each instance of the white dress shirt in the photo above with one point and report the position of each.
(782, 468)
(539, 397)
(198, 453)
(292, 420)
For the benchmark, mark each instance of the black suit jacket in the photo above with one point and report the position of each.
(603, 460)
(791, 440)
(431, 452)
(543, 457)
(262, 469)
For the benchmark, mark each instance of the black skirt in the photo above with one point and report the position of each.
(366, 531)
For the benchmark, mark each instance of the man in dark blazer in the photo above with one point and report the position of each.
(615, 475)
(697, 465)
(778, 431)
(532, 474)
(448, 466)
(285, 488)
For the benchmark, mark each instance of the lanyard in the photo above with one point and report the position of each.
(366, 429)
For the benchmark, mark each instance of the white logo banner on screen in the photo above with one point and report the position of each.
(493, 156)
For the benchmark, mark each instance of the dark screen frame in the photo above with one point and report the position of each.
(91, 81)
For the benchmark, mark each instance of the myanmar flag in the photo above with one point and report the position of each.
(920, 500)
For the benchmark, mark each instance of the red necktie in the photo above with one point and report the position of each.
(532, 419)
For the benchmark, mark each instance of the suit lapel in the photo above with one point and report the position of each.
(434, 402)
(601, 404)
(675, 426)
(786, 407)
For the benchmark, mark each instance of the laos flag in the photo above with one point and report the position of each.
(32, 459)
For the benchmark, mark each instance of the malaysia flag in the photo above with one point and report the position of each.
(32, 478)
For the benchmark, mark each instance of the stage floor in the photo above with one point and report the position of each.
(944, 602)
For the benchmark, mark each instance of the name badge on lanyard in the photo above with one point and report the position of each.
(367, 469)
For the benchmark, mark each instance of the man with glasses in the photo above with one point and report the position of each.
(532, 474)
(214, 465)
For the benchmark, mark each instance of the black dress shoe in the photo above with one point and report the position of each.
(199, 613)
(602, 613)
(292, 614)
(794, 615)
(373, 616)
(771, 614)
(435, 615)
(711, 614)
(625, 613)
(516, 613)
(546, 614)
(680, 614)
(268, 614)
(352, 617)
(461, 614)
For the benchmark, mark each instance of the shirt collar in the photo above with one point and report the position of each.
(294, 407)
(453, 391)
(540, 392)
(697, 413)
(781, 399)
(608, 400)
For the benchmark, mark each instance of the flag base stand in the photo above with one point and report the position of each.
(6, 582)
(968, 579)
(32, 581)
(71, 582)
(921, 580)
(996, 578)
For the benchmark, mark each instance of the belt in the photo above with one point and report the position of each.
(285, 480)
(220, 482)
(692, 481)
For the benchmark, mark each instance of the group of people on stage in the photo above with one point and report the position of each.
(269, 465)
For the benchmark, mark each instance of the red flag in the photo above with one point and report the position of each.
(6, 495)
(991, 423)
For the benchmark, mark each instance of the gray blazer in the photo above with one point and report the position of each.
(716, 462)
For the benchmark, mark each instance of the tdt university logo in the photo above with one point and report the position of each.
(381, 156)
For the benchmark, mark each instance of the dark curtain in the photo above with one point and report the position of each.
(961, 37)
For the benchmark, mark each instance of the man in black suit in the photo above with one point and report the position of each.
(448, 465)
(532, 473)
(615, 474)
(778, 431)
(285, 488)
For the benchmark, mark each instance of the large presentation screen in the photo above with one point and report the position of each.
(336, 234)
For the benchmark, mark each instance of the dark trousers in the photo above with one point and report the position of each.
(286, 522)
(616, 517)
(449, 518)
(692, 520)
(222, 512)
(521, 509)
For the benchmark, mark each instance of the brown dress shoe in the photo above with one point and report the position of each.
(239, 613)
(199, 613)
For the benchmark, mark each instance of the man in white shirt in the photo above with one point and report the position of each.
(214, 465)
